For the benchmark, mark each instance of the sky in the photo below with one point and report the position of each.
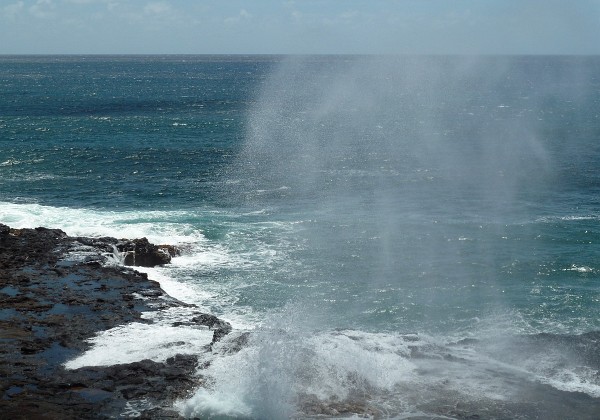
(300, 27)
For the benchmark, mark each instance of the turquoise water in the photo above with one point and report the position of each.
(326, 203)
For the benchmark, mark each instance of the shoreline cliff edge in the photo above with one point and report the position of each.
(57, 292)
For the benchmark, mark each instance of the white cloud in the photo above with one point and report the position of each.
(349, 15)
(292, 11)
(13, 10)
(112, 6)
(42, 9)
(242, 15)
(296, 15)
(158, 8)
(80, 1)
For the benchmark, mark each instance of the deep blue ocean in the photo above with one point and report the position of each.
(398, 234)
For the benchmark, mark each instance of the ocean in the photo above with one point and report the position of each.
(401, 236)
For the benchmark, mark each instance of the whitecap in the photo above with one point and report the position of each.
(579, 268)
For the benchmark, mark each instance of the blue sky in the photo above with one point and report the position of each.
(300, 27)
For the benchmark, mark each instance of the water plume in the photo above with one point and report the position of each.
(415, 180)
(322, 122)
(389, 153)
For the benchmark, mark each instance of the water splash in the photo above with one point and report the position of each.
(415, 174)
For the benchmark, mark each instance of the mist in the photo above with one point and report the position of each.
(415, 186)
(387, 154)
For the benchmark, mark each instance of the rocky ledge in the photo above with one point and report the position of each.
(58, 291)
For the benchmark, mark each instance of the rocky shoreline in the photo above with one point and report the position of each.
(58, 291)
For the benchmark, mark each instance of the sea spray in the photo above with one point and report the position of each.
(290, 368)
(417, 174)
(403, 162)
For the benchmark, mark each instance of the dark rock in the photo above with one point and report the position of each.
(53, 232)
(238, 343)
(206, 319)
(332, 407)
(173, 251)
(221, 328)
(142, 253)
(221, 332)
(4, 230)
(51, 306)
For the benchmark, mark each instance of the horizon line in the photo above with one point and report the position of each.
(301, 54)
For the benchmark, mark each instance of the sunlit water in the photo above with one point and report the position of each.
(397, 233)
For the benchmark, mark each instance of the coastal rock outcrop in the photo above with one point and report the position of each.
(140, 252)
(56, 292)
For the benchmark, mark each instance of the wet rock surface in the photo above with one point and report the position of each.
(142, 253)
(55, 293)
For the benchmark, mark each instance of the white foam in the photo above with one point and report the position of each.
(185, 291)
(279, 368)
(137, 341)
(283, 363)
(553, 367)
(160, 227)
(227, 393)
(153, 225)
(582, 379)
(207, 257)
(209, 403)
(579, 268)
(241, 247)
(569, 218)
(266, 377)
(381, 360)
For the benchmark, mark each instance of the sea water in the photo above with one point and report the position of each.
(399, 235)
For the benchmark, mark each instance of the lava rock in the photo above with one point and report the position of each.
(51, 303)
(140, 252)
(221, 328)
